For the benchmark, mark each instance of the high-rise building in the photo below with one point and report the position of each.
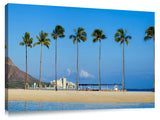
(62, 83)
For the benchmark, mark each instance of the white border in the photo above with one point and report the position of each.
(128, 114)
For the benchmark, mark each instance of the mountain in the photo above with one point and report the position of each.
(15, 78)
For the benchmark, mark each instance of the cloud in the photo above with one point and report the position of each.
(85, 74)
(68, 71)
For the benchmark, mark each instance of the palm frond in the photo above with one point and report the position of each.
(150, 30)
(120, 31)
(38, 37)
(35, 44)
(41, 35)
(122, 41)
(80, 29)
(27, 40)
(44, 35)
(72, 36)
(79, 35)
(47, 40)
(84, 33)
(117, 39)
(42, 38)
(128, 37)
(117, 35)
(53, 34)
(24, 39)
(96, 32)
(103, 37)
(59, 28)
(84, 38)
(62, 36)
(58, 32)
(47, 44)
(30, 46)
(95, 40)
(101, 32)
(147, 38)
(81, 32)
(21, 43)
(127, 42)
(74, 40)
(120, 36)
(30, 41)
(150, 33)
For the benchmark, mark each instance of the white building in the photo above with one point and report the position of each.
(62, 83)
(34, 85)
(116, 87)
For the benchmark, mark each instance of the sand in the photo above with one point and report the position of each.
(79, 96)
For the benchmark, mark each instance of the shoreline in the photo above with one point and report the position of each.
(79, 96)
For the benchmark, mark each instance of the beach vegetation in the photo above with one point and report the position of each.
(98, 36)
(122, 38)
(27, 42)
(80, 35)
(57, 32)
(43, 41)
(150, 34)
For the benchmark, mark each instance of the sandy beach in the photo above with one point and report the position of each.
(79, 96)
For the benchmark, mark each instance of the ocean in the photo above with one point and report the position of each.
(143, 90)
(15, 106)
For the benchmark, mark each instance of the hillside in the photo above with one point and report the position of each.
(16, 77)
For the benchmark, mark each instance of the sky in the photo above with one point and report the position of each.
(139, 55)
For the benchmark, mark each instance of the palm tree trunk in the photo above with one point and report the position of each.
(40, 68)
(25, 106)
(6, 107)
(39, 106)
(99, 64)
(26, 70)
(154, 66)
(123, 67)
(56, 65)
(77, 67)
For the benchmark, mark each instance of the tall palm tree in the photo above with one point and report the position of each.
(80, 35)
(150, 34)
(57, 32)
(27, 41)
(98, 36)
(120, 36)
(42, 40)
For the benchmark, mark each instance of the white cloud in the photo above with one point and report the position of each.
(68, 71)
(85, 74)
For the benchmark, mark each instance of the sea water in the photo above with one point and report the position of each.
(13, 106)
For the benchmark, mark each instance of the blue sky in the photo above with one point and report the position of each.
(139, 60)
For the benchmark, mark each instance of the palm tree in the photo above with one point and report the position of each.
(42, 40)
(150, 34)
(80, 35)
(120, 36)
(98, 36)
(27, 41)
(57, 32)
